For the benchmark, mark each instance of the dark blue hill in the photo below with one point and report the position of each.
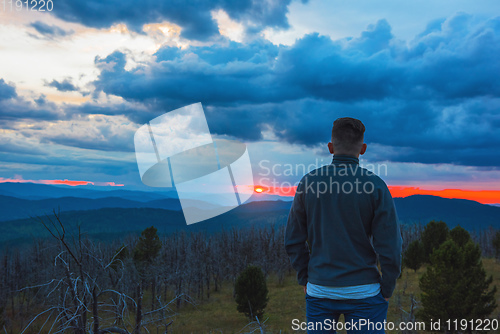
(17, 208)
(113, 217)
(470, 215)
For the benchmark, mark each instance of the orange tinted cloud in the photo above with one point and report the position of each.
(66, 182)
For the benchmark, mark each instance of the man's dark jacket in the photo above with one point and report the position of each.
(347, 216)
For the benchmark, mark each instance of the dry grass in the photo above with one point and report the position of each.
(287, 302)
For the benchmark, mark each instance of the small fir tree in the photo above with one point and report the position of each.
(251, 292)
(147, 248)
(413, 257)
(434, 234)
(460, 236)
(455, 285)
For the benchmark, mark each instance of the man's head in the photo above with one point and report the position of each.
(347, 137)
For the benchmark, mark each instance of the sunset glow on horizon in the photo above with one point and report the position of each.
(65, 182)
(481, 196)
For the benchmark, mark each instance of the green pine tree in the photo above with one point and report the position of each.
(435, 233)
(460, 236)
(147, 247)
(413, 257)
(455, 285)
(251, 292)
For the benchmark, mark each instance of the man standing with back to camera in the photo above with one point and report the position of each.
(346, 215)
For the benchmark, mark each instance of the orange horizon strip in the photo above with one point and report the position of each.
(69, 183)
(481, 196)
(66, 182)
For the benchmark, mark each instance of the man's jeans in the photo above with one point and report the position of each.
(366, 315)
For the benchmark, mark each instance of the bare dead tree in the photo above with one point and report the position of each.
(82, 297)
(409, 316)
(75, 285)
(255, 326)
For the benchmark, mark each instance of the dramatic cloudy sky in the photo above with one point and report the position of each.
(77, 82)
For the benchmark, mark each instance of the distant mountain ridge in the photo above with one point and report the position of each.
(22, 200)
(18, 208)
(116, 222)
(28, 190)
(471, 215)
(115, 215)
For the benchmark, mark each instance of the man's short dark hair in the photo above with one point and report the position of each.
(347, 134)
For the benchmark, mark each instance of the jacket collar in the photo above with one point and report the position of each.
(344, 159)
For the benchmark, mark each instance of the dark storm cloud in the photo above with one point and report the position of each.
(6, 91)
(404, 131)
(74, 164)
(114, 143)
(49, 31)
(435, 99)
(194, 17)
(454, 62)
(19, 109)
(62, 86)
(9, 145)
(438, 90)
(207, 71)
(315, 66)
(465, 133)
(38, 119)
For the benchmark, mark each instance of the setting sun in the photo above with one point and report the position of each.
(259, 189)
